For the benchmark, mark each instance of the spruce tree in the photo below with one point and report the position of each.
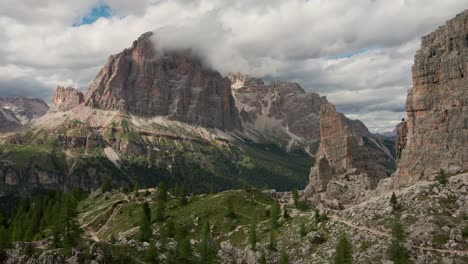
(343, 251)
(295, 195)
(107, 185)
(442, 177)
(394, 201)
(284, 259)
(253, 235)
(162, 192)
(69, 224)
(160, 211)
(145, 231)
(302, 230)
(207, 249)
(146, 211)
(262, 259)
(4, 239)
(230, 209)
(272, 244)
(275, 213)
(397, 251)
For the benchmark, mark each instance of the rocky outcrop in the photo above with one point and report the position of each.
(147, 81)
(66, 99)
(400, 143)
(437, 105)
(24, 109)
(340, 152)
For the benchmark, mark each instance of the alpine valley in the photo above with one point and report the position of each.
(164, 160)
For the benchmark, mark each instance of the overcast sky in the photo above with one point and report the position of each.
(357, 53)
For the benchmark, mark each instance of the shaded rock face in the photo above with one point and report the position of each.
(175, 84)
(8, 120)
(24, 109)
(400, 143)
(339, 152)
(283, 108)
(66, 99)
(283, 112)
(437, 105)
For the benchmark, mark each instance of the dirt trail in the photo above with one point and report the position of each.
(388, 235)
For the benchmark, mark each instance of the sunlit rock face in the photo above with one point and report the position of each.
(66, 99)
(146, 81)
(437, 106)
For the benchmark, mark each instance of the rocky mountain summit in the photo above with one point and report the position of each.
(435, 136)
(22, 109)
(66, 99)
(147, 81)
(283, 111)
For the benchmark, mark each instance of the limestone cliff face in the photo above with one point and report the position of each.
(400, 143)
(148, 82)
(66, 99)
(437, 105)
(340, 152)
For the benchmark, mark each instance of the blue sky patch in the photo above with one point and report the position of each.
(102, 10)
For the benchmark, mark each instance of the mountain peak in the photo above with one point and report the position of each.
(175, 85)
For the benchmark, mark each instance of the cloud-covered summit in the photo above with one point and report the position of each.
(357, 53)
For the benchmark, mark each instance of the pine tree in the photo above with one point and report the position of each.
(4, 239)
(69, 224)
(183, 196)
(295, 195)
(145, 226)
(107, 185)
(302, 230)
(146, 211)
(160, 211)
(284, 259)
(230, 209)
(152, 254)
(170, 229)
(275, 215)
(262, 259)
(253, 235)
(286, 213)
(343, 251)
(207, 249)
(397, 251)
(442, 177)
(394, 201)
(272, 244)
(162, 192)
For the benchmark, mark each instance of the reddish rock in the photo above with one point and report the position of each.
(437, 106)
(339, 152)
(148, 82)
(66, 99)
(400, 143)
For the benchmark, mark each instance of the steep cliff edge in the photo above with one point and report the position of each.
(146, 81)
(342, 161)
(437, 106)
